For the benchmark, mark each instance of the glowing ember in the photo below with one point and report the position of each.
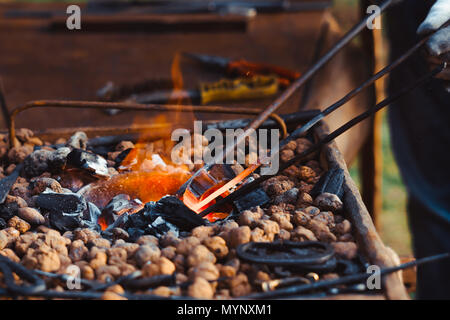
(146, 186)
(199, 204)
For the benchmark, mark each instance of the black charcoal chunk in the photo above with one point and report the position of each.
(119, 205)
(160, 227)
(62, 202)
(137, 220)
(42, 160)
(8, 210)
(88, 161)
(257, 197)
(2, 224)
(120, 222)
(65, 221)
(119, 159)
(135, 233)
(173, 210)
(91, 215)
(331, 182)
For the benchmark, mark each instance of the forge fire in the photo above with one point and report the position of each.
(123, 217)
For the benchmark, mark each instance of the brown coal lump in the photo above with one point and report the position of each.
(39, 185)
(277, 185)
(31, 215)
(19, 224)
(205, 270)
(328, 202)
(217, 246)
(198, 255)
(239, 236)
(146, 253)
(201, 289)
(347, 250)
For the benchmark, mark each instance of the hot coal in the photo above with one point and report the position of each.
(119, 205)
(257, 197)
(173, 210)
(91, 162)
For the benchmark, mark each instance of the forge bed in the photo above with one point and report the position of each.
(369, 242)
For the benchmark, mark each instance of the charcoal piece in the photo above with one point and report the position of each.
(119, 205)
(3, 224)
(58, 158)
(62, 202)
(135, 233)
(118, 160)
(78, 140)
(7, 182)
(120, 222)
(91, 214)
(175, 211)
(257, 197)
(65, 221)
(88, 161)
(331, 182)
(8, 210)
(160, 227)
(137, 220)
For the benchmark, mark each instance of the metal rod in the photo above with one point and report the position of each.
(135, 107)
(250, 186)
(298, 132)
(313, 69)
(301, 81)
(3, 105)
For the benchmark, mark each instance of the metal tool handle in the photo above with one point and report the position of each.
(239, 89)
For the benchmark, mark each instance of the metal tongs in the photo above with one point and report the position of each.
(306, 255)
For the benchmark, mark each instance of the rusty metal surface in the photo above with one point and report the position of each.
(39, 64)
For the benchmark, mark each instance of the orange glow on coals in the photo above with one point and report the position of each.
(146, 186)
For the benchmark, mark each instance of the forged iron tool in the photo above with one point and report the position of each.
(306, 255)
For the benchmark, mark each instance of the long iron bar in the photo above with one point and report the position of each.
(300, 131)
(306, 76)
(330, 137)
(132, 106)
